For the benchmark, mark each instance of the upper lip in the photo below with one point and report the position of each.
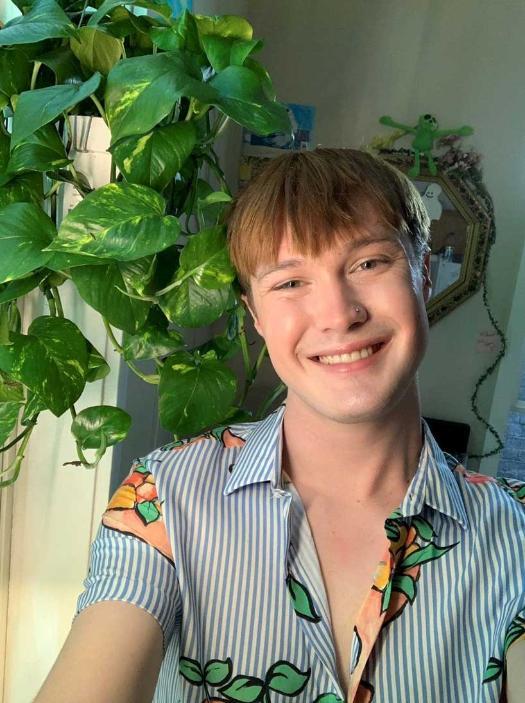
(349, 348)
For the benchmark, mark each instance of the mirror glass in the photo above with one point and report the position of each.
(448, 234)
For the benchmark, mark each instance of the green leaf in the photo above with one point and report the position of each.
(218, 196)
(96, 50)
(5, 145)
(78, 179)
(61, 262)
(217, 671)
(41, 151)
(186, 27)
(24, 231)
(206, 257)
(141, 91)
(302, 600)
(264, 77)
(98, 367)
(138, 274)
(223, 52)
(191, 670)
(328, 698)
(245, 689)
(494, 670)
(27, 188)
(423, 528)
(8, 417)
(286, 678)
(120, 221)
(153, 159)
(51, 360)
(224, 26)
(100, 425)
(189, 305)
(148, 511)
(63, 64)
(98, 286)
(194, 393)
(160, 8)
(45, 20)
(10, 391)
(151, 343)
(421, 556)
(167, 38)
(34, 406)
(243, 98)
(223, 347)
(405, 584)
(211, 204)
(240, 50)
(20, 287)
(15, 71)
(35, 108)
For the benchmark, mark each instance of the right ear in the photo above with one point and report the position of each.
(248, 302)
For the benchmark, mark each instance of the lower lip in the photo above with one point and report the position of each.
(352, 366)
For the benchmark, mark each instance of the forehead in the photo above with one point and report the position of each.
(340, 244)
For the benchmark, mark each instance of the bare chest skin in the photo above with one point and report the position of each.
(350, 541)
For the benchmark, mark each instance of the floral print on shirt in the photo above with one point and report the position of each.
(135, 509)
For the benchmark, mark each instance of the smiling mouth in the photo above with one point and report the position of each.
(331, 359)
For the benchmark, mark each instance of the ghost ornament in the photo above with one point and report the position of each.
(432, 202)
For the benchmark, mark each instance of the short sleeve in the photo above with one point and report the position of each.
(131, 559)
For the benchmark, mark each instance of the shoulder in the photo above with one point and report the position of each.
(209, 454)
(492, 499)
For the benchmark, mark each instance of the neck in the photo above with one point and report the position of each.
(372, 461)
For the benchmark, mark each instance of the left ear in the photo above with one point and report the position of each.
(427, 281)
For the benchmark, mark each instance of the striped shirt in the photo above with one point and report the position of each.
(205, 535)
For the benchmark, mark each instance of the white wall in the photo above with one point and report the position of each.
(356, 60)
(56, 510)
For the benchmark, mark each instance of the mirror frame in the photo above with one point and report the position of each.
(474, 203)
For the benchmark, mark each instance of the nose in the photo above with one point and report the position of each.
(338, 308)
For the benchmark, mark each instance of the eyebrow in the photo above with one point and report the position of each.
(295, 263)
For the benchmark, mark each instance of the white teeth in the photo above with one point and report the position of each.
(346, 358)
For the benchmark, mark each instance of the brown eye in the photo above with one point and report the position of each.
(371, 264)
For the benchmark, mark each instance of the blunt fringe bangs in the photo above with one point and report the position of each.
(319, 197)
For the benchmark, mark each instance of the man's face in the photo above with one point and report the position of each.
(304, 308)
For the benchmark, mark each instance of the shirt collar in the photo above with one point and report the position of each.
(260, 458)
(433, 484)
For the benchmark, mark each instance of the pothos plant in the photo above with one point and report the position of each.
(147, 251)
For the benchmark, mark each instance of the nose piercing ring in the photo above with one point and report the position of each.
(357, 308)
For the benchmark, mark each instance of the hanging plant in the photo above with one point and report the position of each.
(146, 250)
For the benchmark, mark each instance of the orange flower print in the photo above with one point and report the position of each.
(407, 557)
(472, 476)
(183, 443)
(221, 434)
(135, 509)
(231, 440)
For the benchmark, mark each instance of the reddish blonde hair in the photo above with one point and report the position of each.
(320, 196)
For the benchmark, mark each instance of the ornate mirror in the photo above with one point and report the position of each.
(462, 228)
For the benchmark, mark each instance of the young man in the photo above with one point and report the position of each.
(332, 551)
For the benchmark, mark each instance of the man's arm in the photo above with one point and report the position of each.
(112, 655)
(515, 666)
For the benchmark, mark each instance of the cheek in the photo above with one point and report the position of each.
(282, 326)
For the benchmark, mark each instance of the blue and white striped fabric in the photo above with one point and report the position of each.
(241, 599)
